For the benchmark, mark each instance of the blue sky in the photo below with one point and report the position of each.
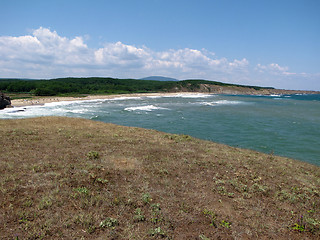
(266, 42)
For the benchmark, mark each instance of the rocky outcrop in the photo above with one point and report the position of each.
(4, 101)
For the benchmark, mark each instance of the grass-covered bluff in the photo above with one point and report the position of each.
(65, 178)
(96, 85)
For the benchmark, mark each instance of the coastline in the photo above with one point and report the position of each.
(205, 90)
(43, 100)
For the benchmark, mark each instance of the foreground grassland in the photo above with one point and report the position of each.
(65, 178)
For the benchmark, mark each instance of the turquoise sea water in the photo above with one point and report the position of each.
(287, 125)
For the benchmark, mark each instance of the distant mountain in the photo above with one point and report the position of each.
(159, 78)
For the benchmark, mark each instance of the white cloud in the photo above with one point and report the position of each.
(272, 67)
(46, 54)
(53, 55)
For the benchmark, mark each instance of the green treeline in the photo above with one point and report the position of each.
(95, 85)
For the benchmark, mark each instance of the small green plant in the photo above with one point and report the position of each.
(225, 224)
(28, 203)
(93, 155)
(157, 232)
(212, 216)
(300, 225)
(146, 198)
(139, 217)
(45, 203)
(258, 188)
(156, 213)
(82, 190)
(101, 180)
(109, 222)
(155, 207)
(178, 137)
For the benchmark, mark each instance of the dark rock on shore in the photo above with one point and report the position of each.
(5, 101)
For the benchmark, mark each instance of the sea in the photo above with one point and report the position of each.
(285, 125)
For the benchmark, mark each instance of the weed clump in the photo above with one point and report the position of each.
(93, 155)
(139, 217)
(146, 198)
(109, 222)
(157, 232)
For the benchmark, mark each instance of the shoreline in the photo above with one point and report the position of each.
(37, 100)
(43, 100)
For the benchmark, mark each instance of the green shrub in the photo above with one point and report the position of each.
(109, 222)
(93, 155)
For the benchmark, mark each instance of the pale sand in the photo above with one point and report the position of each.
(43, 100)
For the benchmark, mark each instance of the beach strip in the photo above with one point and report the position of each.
(44, 100)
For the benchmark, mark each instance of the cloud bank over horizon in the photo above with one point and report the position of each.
(46, 54)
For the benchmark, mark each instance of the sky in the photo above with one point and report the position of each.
(272, 43)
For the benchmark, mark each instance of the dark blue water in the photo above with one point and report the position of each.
(287, 125)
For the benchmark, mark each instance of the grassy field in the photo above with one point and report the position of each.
(66, 178)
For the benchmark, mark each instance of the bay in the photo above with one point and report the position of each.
(286, 125)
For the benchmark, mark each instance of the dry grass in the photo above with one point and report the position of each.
(64, 178)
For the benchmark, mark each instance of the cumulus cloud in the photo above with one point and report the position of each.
(46, 54)
(273, 68)
(47, 51)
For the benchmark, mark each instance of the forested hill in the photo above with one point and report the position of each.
(95, 85)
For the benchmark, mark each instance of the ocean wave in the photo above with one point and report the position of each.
(13, 110)
(190, 95)
(222, 102)
(124, 98)
(154, 97)
(62, 103)
(23, 112)
(275, 95)
(208, 103)
(147, 108)
(80, 111)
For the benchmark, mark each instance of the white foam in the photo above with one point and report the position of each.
(13, 110)
(209, 103)
(154, 97)
(124, 98)
(227, 102)
(222, 102)
(275, 95)
(189, 95)
(24, 112)
(147, 108)
(62, 103)
(78, 111)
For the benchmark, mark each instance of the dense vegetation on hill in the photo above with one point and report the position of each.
(94, 85)
(65, 178)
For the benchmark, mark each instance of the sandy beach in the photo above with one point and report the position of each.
(44, 100)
